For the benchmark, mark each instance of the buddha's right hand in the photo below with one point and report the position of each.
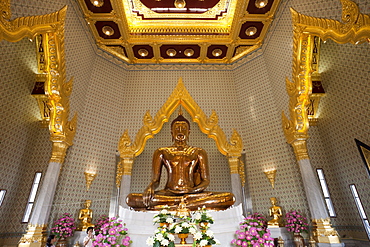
(148, 196)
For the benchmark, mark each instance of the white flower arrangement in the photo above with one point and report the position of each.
(162, 237)
(164, 216)
(202, 216)
(205, 238)
(183, 227)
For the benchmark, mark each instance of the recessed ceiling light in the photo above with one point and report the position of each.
(107, 30)
(217, 52)
(251, 31)
(143, 52)
(180, 4)
(171, 52)
(261, 3)
(97, 3)
(189, 52)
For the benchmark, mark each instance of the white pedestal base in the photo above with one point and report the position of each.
(282, 232)
(330, 245)
(77, 236)
(140, 225)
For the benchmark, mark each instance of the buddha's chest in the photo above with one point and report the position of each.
(177, 158)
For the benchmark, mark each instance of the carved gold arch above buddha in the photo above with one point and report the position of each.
(354, 29)
(180, 96)
(51, 64)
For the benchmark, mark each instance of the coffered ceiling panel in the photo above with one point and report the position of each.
(179, 31)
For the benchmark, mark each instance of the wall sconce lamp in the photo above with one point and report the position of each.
(270, 174)
(89, 176)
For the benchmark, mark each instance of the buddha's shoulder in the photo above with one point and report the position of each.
(172, 148)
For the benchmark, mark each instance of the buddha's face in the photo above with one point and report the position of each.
(273, 200)
(180, 131)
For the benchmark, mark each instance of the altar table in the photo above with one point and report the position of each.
(140, 225)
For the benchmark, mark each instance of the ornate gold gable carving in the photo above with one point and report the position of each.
(51, 28)
(354, 29)
(209, 126)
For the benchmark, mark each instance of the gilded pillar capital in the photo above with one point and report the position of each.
(234, 164)
(124, 167)
(58, 152)
(300, 149)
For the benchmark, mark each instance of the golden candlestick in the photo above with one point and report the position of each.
(89, 176)
(270, 174)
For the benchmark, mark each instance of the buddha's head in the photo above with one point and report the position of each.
(180, 128)
(273, 200)
(87, 203)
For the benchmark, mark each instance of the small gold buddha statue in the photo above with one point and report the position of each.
(276, 213)
(182, 210)
(188, 175)
(85, 216)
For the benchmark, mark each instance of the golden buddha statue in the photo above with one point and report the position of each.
(85, 216)
(188, 176)
(182, 210)
(276, 213)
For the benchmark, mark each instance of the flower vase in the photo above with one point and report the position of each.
(162, 224)
(62, 242)
(298, 240)
(182, 237)
(203, 225)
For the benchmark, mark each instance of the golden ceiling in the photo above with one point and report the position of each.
(179, 31)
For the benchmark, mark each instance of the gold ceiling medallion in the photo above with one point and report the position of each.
(97, 3)
(143, 52)
(189, 52)
(180, 96)
(261, 3)
(250, 31)
(217, 52)
(180, 4)
(107, 30)
(171, 52)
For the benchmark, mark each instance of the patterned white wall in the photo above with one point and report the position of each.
(249, 96)
(22, 146)
(344, 116)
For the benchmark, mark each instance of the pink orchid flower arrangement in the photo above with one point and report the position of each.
(253, 232)
(103, 219)
(64, 226)
(112, 233)
(296, 222)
